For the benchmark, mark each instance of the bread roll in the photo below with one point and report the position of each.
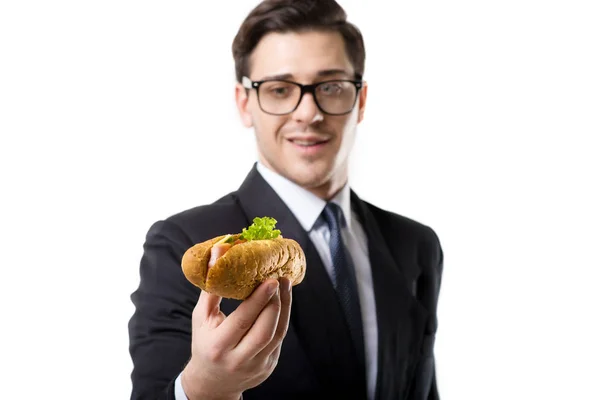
(244, 266)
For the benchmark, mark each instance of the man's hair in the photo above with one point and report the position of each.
(296, 16)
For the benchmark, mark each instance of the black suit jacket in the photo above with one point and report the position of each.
(317, 361)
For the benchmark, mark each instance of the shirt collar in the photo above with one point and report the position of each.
(305, 206)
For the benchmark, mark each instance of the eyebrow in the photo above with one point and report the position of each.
(322, 73)
(329, 72)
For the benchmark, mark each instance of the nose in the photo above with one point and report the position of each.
(307, 111)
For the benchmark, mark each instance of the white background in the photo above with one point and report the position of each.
(482, 122)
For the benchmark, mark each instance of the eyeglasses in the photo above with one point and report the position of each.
(280, 97)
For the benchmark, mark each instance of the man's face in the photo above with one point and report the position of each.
(308, 146)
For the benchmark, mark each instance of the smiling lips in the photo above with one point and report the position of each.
(307, 143)
(312, 142)
(309, 146)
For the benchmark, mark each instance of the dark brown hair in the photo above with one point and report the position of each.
(296, 16)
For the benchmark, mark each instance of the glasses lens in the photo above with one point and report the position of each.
(336, 97)
(278, 97)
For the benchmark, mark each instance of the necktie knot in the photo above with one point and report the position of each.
(333, 215)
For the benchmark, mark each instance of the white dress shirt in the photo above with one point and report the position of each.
(307, 208)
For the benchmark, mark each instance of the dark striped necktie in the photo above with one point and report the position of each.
(344, 278)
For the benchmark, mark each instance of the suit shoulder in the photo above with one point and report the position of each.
(410, 236)
(206, 221)
(395, 222)
(210, 211)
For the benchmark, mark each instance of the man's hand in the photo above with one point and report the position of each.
(238, 352)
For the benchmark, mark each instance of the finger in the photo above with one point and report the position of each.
(284, 318)
(241, 320)
(262, 332)
(270, 358)
(208, 307)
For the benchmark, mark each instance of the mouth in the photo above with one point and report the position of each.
(308, 143)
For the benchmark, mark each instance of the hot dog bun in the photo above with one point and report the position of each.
(244, 266)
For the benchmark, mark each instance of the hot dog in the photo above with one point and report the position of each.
(233, 265)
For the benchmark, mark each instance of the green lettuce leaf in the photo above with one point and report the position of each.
(261, 229)
(229, 239)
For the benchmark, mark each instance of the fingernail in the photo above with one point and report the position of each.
(272, 288)
(286, 285)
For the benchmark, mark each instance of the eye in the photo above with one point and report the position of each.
(279, 91)
(331, 88)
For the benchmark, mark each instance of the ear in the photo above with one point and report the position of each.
(362, 102)
(241, 101)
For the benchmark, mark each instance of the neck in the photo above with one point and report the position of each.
(332, 186)
(325, 190)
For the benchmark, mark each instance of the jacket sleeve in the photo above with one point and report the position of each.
(425, 384)
(160, 328)
(433, 391)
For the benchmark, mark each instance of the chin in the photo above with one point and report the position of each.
(309, 177)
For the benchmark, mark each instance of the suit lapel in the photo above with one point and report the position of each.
(316, 317)
(400, 317)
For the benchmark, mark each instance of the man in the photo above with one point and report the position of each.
(362, 323)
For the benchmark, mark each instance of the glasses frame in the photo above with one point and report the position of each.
(250, 84)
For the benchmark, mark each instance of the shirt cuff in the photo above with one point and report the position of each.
(179, 393)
